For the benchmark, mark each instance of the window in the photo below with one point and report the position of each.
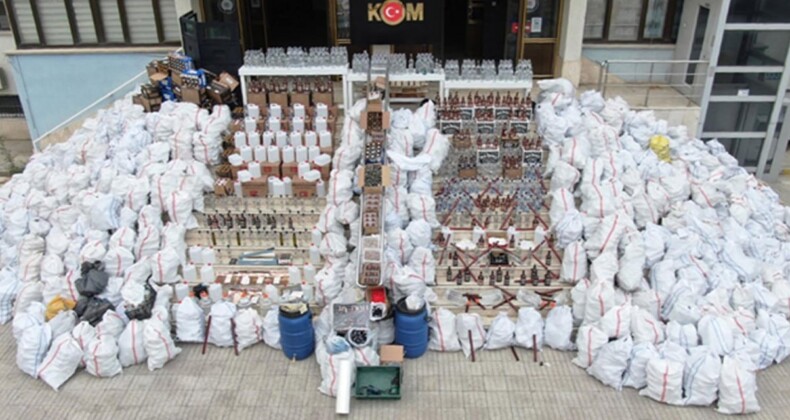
(4, 25)
(754, 48)
(90, 23)
(10, 107)
(738, 116)
(759, 11)
(632, 20)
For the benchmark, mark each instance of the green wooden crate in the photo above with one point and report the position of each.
(378, 383)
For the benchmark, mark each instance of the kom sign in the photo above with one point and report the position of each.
(396, 21)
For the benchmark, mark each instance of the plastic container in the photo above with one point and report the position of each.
(378, 382)
(411, 329)
(296, 331)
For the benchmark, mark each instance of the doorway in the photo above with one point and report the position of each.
(475, 29)
(697, 42)
(539, 35)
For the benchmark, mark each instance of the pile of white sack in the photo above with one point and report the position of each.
(679, 266)
(414, 147)
(100, 198)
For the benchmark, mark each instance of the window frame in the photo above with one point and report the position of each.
(98, 26)
(666, 38)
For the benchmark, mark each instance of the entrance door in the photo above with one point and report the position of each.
(539, 31)
(697, 43)
(698, 27)
(475, 29)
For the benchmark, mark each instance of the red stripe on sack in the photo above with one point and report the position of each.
(159, 264)
(441, 334)
(664, 386)
(433, 138)
(364, 358)
(617, 331)
(655, 331)
(167, 348)
(52, 359)
(71, 286)
(589, 346)
(609, 236)
(96, 360)
(118, 259)
(575, 262)
(332, 384)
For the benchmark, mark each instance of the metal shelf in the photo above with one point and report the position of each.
(293, 71)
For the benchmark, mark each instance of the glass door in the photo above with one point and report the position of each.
(697, 43)
(539, 29)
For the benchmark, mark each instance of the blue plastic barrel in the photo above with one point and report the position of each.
(296, 333)
(411, 329)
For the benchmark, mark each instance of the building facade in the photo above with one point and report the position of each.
(717, 66)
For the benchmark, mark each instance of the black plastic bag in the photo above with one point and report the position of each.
(93, 279)
(93, 309)
(143, 310)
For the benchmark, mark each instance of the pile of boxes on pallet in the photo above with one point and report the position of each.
(282, 151)
(287, 90)
(176, 79)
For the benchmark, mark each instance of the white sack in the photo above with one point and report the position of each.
(501, 332)
(444, 336)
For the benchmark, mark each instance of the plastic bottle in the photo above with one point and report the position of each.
(207, 274)
(189, 272)
(182, 291)
(315, 255)
(208, 256)
(307, 292)
(215, 292)
(196, 254)
(294, 275)
(309, 272)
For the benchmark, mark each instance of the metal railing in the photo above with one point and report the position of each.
(63, 131)
(655, 84)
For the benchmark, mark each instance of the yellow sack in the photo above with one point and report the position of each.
(660, 146)
(58, 304)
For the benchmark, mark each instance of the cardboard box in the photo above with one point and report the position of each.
(157, 77)
(279, 99)
(258, 187)
(302, 188)
(516, 173)
(258, 98)
(219, 92)
(326, 98)
(226, 79)
(290, 169)
(391, 354)
(467, 173)
(300, 98)
(193, 95)
(223, 187)
(176, 76)
(270, 169)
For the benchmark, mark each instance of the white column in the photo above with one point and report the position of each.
(571, 38)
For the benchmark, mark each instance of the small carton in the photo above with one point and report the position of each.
(257, 187)
(270, 169)
(192, 95)
(258, 98)
(303, 188)
(223, 187)
(300, 98)
(391, 354)
(290, 169)
(325, 98)
(279, 99)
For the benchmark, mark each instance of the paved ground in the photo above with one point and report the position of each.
(261, 383)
